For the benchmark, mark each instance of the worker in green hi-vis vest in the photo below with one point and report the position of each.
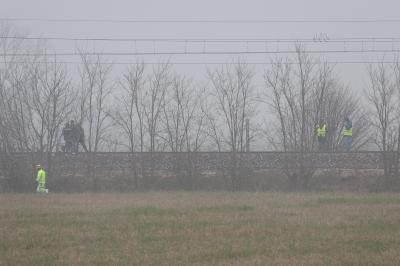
(321, 131)
(347, 134)
(41, 180)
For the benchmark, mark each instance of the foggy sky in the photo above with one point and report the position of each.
(352, 74)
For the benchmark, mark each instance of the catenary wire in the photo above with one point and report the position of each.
(197, 63)
(219, 40)
(202, 52)
(203, 20)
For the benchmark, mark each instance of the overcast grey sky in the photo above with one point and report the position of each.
(353, 74)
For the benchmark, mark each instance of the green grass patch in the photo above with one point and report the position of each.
(146, 211)
(226, 208)
(224, 254)
(200, 229)
(364, 200)
(367, 245)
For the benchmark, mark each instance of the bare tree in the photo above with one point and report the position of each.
(381, 94)
(154, 101)
(129, 114)
(277, 80)
(158, 84)
(289, 93)
(396, 69)
(60, 99)
(14, 129)
(49, 99)
(35, 98)
(299, 92)
(332, 101)
(233, 93)
(234, 102)
(183, 116)
(184, 127)
(95, 91)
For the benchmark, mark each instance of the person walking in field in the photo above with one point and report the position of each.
(347, 134)
(321, 131)
(41, 180)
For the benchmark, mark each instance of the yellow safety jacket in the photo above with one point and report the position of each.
(41, 176)
(321, 131)
(348, 132)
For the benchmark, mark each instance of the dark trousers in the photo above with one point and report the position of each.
(347, 140)
(322, 146)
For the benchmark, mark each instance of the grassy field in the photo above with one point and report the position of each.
(180, 228)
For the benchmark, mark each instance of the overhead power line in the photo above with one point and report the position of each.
(203, 20)
(202, 52)
(218, 40)
(195, 63)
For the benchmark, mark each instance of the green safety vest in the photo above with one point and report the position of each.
(41, 176)
(348, 132)
(321, 131)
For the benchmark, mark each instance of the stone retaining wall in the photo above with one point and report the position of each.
(127, 171)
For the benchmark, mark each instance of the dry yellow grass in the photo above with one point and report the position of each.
(180, 228)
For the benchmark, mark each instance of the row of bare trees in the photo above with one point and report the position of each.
(300, 92)
(151, 108)
(383, 94)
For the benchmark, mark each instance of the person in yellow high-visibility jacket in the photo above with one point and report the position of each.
(41, 180)
(347, 134)
(321, 131)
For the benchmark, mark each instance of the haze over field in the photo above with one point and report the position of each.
(269, 123)
(352, 74)
(197, 38)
